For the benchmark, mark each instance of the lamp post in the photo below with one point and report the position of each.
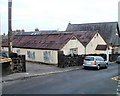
(10, 26)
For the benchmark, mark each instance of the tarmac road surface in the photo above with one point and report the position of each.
(74, 82)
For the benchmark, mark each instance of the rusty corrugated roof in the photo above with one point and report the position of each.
(42, 41)
(52, 41)
(85, 36)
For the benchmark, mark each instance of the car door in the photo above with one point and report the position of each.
(103, 64)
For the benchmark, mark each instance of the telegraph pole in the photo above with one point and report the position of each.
(118, 29)
(10, 26)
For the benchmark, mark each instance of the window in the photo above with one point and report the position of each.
(97, 34)
(31, 54)
(47, 56)
(74, 51)
(89, 58)
(18, 51)
(99, 59)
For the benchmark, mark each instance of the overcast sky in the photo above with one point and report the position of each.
(56, 14)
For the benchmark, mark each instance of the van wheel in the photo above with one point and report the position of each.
(98, 67)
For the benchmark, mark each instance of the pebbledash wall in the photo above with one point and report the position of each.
(91, 46)
(73, 46)
(37, 55)
(49, 56)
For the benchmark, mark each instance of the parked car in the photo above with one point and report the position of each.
(4, 54)
(4, 60)
(94, 61)
(118, 60)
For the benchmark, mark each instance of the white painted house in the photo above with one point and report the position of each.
(44, 47)
(108, 30)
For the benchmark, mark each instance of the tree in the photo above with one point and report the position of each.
(23, 30)
(3, 34)
(36, 29)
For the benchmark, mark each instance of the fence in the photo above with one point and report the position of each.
(113, 57)
(68, 60)
(76, 60)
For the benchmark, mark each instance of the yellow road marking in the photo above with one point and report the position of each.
(117, 78)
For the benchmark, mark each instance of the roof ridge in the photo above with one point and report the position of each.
(94, 23)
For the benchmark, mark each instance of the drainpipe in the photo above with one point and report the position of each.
(85, 50)
(107, 55)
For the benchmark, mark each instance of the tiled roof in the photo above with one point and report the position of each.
(50, 41)
(106, 29)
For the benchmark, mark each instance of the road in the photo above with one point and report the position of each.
(74, 82)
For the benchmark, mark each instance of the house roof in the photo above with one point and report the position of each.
(42, 41)
(106, 29)
(85, 36)
(5, 37)
(50, 41)
(37, 32)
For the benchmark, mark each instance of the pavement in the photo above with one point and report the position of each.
(37, 69)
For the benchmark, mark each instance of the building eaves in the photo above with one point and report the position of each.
(85, 36)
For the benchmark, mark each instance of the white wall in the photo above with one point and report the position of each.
(73, 44)
(96, 40)
(116, 50)
(4, 49)
(90, 48)
(17, 50)
(37, 55)
(45, 56)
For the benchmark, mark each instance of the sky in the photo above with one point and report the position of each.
(56, 14)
